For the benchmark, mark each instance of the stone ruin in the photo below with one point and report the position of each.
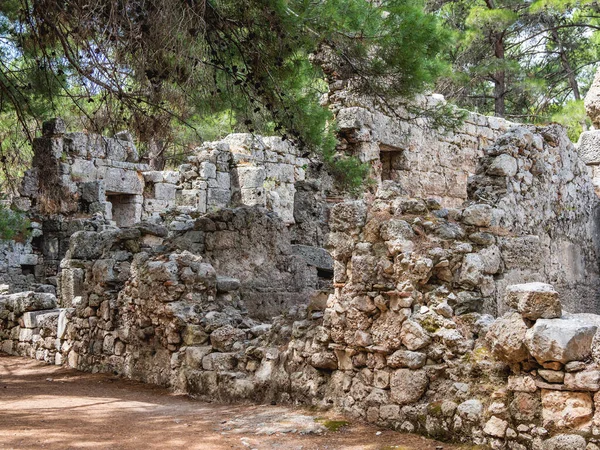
(457, 298)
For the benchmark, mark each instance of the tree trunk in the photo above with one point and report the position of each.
(499, 77)
(564, 60)
(156, 157)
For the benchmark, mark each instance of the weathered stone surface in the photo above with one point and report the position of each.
(521, 383)
(470, 410)
(227, 284)
(407, 386)
(503, 166)
(479, 215)
(495, 427)
(405, 358)
(565, 442)
(589, 147)
(23, 302)
(587, 380)
(534, 300)
(324, 360)
(552, 376)
(592, 101)
(563, 410)
(314, 256)
(414, 336)
(507, 338)
(224, 338)
(561, 340)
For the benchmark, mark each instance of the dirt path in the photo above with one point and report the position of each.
(49, 407)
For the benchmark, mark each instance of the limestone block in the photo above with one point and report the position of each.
(479, 215)
(472, 270)
(503, 166)
(223, 181)
(54, 127)
(506, 337)
(406, 358)
(324, 360)
(534, 300)
(314, 256)
(83, 170)
(22, 302)
(281, 172)
(253, 196)
(219, 361)
(227, 284)
(563, 410)
(63, 320)
(28, 259)
(117, 149)
(122, 181)
(207, 170)
(408, 386)
(592, 101)
(470, 410)
(491, 259)
(587, 380)
(495, 427)
(218, 197)
(30, 183)
(93, 191)
(195, 355)
(566, 442)
(561, 340)
(153, 176)
(414, 336)
(76, 144)
(588, 147)
(33, 319)
(251, 177)
(523, 383)
(164, 191)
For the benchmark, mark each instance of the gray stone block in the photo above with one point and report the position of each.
(589, 147)
(314, 256)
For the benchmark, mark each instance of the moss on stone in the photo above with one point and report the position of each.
(332, 425)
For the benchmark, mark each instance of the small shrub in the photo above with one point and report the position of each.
(13, 225)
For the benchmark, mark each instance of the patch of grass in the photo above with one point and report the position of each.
(332, 425)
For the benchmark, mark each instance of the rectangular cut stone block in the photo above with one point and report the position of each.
(33, 319)
(218, 197)
(83, 170)
(253, 196)
(587, 380)
(588, 147)
(123, 181)
(76, 144)
(165, 191)
(251, 177)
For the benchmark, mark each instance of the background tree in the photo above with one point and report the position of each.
(529, 62)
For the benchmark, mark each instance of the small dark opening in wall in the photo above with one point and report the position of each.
(392, 160)
(325, 273)
(27, 269)
(37, 242)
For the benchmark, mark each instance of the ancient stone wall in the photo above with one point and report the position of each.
(546, 211)
(423, 160)
(397, 344)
